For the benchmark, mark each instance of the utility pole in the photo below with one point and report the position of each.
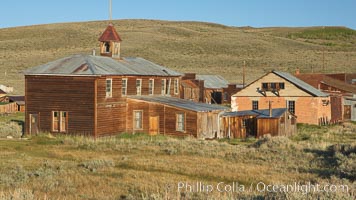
(243, 75)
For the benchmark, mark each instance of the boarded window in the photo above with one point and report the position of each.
(176, 86)
(124, 87)
(163, 86)
(137, 119)
(138, 86)
(59, 121)
(254, 105)
(180, 122)
(109, 87)
(291, 106)
(151, 86)
(168, 86)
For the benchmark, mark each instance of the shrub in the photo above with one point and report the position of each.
(267, 141)
(10, 129)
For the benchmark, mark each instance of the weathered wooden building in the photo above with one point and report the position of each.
(310, 105)
(256, 123)
(211, 89)
(94, 95)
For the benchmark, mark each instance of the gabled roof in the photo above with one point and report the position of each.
(110, 34)
(20, 100)
(300, 84)
(276, 113)
(2, 92)
(99, 65)
(213, 81)
(181, 103)
(315, 79)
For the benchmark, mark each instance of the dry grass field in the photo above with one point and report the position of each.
(143, 167)
(204, 48)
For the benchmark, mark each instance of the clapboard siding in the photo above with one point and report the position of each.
(74, 95)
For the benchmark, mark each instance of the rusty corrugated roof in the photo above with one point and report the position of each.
(99, 65)
(213, 81)
(276, 113)
(110, 34)
(181, 103)
(315, 79)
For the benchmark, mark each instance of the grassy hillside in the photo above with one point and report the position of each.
(204, 48)
(143, 167)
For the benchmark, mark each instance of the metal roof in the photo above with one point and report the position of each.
(110, 34)
(276, 113)
(180, 103)
(301, 84)
(99, 65)
(213, 81)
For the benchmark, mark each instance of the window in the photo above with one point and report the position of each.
(180, 122)
(151, 86)
(137, 119)
(124, 87)
(176, 86)
(109, 87)
(163, 86)
(291, 106)
(59, 121)
(254, 105)
(265, 86)
(226, 96)
(281, 85)
(55, 121)
(107, 47)
(138, 86)
(273, 86)
(243, 123)
(168, 86)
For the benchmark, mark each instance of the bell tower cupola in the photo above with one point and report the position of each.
(110, 42)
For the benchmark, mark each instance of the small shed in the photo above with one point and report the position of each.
(20, 102)
(256, 123)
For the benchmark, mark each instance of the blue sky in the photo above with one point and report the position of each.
(256, 13)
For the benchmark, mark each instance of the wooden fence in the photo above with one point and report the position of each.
(8, 108)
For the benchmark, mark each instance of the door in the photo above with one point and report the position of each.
(154, 125)
(347, 112)
(34, 124)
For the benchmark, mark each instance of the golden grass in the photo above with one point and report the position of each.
(143, 167)
(184, 46)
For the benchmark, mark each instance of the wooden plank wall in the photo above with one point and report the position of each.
(75, 95)
(8, 108)
(167, 118)
(267, 126)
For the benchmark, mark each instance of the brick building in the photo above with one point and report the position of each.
(283, 90)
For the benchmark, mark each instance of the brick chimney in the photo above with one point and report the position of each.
(297, 71)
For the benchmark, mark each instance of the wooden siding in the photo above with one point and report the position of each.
(166, 115)
(75, 95)
(9, 108)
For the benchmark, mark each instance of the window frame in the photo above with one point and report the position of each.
(163, 86)
(135, 120)
(139, 88)
(254, 104)
(59, 121)
(108, 94)
(181, 124)
(124, 89)
(291, 106)
(151, 86)
(176, 86)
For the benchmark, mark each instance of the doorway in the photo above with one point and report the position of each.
(154, 125)
(34, 124)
